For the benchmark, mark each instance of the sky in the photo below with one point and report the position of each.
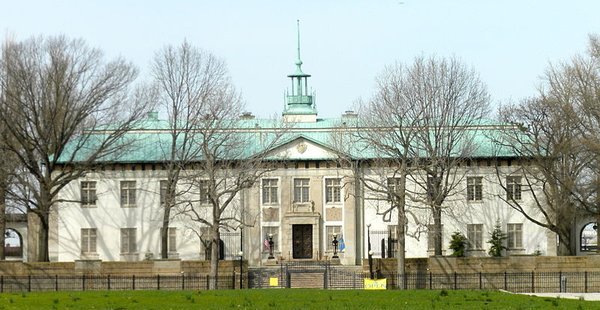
(344, 44)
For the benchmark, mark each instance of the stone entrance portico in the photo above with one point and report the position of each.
(297, 242)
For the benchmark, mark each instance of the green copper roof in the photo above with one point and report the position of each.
(150, 140)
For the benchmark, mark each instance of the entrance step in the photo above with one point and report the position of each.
(307, 280)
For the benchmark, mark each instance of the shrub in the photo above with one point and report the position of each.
(458, 244)
(497, 241)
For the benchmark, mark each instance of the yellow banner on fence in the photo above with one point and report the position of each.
(273, 281)
(378, 284)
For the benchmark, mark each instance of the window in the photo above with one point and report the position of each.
(88, 194)
(393, 185)
(88, 240)
(269, 192)
(163, 192)
(515, 236)
(301, 190)
(513, 188)
(333, 190)
(204, 192)
(330, 231)
(474, 188)
(274, 231)
(431, 237)
(127, 194)
(475, 236)
(172, 239)
(128, 240)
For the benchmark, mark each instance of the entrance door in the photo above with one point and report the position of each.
(302, 241)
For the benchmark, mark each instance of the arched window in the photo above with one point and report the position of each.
(13, 243)
(588, 238)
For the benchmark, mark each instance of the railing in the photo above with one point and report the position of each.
(117, 283)
(331, 277)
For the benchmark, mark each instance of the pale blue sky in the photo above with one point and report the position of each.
(345, 44)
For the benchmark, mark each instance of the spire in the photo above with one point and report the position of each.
(299, 104)
(298, 72)
(299, 61)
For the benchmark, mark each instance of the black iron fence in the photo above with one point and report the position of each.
(325, 276)
(118, 283)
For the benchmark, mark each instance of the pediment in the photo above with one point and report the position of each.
(302, 148)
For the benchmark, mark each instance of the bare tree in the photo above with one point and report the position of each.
(448, 102)
(384, 132)
(555, 162)
(560, 142)
(188, 79)
(64, 108)
(231, 157)
(418, 127)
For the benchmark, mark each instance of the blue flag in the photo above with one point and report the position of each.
(342, 244)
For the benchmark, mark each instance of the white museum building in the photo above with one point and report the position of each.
(114, 212)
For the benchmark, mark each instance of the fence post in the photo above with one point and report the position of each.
(108, 278)
(505, 282)
(480, 281)
(430, 280)
(1, 284)
(133, 282)
(585, 279)
(233, 281)
(183, 281)
(532, 281)
(207, 281)
(29, 283)
(83, 282)
(56, 282)
(158, 282)
(455, 284)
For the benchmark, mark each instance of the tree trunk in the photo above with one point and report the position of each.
(401, 251)
(214, 257)
(42, 254)
(437, 227)
(565, 245)
(164, 232)
(2, 223)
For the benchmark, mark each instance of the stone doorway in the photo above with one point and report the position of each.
(302, 241)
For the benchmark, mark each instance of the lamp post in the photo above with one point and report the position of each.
(241, 255)
(369, 249)
(271, 243)
(335, 246)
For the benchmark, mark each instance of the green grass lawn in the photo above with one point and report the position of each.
(285, 299)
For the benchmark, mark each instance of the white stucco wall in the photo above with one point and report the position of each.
(458, 213)
(108, 217)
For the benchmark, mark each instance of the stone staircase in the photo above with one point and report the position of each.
(306, 275)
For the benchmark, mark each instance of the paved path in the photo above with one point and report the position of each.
(584, 296)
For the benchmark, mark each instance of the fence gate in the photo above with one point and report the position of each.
(306, 275)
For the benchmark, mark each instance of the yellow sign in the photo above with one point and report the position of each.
(273, 281)
(378, 284)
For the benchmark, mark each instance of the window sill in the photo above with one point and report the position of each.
(89, 256)
(128, 206)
